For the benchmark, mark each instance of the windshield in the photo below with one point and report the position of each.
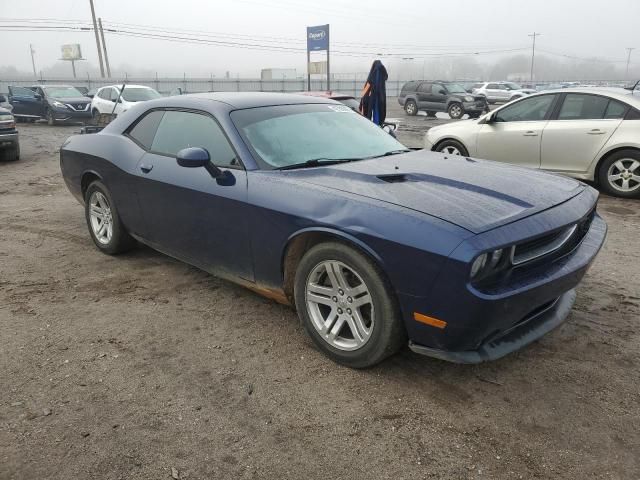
(63, 92)
(139, 94)
(513, 86)
(455, 88)
(293, 134)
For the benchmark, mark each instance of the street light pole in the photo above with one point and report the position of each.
(533, 53)
(629, 50)
(95, 30)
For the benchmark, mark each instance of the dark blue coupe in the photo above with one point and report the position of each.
(306, 202)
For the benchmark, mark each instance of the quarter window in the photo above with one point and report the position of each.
(583, 107)
(178, 130)
(528, 110)
(615, 110)
(145, 130)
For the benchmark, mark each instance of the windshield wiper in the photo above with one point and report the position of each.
(317, 162)
(392, 152)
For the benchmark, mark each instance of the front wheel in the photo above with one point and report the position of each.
(103, 220)
(619, 174)
(11, 154)
(456, 111)
(452, 147)
(51, 120)
(347, 306)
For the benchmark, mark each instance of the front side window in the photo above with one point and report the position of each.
(285, 135)
(583, 107)
(529, 110)
(438, 89)
(493, 86)
(178, 130)
(512, 86)
(455, 88)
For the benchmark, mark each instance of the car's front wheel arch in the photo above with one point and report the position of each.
(304, 240)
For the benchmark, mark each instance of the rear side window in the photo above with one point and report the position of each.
(408, 87)
(22, 92)
(527, 110)
(583, 107)
(615, 109)
(178, 130)
(425, 87)
(145, 130)
(493, 86)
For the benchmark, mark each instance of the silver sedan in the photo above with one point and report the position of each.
(588, 133)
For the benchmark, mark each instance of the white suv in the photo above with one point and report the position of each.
(106, 97)
(501, 91)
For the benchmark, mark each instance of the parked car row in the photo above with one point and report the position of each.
(440, 96)
(588, 134)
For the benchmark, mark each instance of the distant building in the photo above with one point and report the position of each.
(278, 73)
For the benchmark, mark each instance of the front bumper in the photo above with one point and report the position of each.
(476, 320)
(67, 115)
(8, 139)
(529, 330)
(474, 107)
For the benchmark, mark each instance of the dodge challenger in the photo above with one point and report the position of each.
(308, 203)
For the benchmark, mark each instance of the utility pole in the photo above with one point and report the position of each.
(33, 62)
(104, 47)
(533, 52)
(629, 50)
(95, 30)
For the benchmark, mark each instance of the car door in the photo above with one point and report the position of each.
(438, 98)
(584, 123)
(423, 92)
(102, 100)
(24, 101)
(493, 92)
(117, 100)
(513, 133)
(188, 214)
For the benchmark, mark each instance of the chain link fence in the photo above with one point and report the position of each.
(194, 85)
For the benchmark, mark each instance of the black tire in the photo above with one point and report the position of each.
(449, 144)
(10, 154)
(120, 240)
(411, 108)
(455, 110)
(625, 158)
(94, 116)
(50, 118)
(387, 335)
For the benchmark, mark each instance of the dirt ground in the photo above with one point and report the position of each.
(141, 367)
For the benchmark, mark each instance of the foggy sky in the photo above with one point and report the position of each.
(583, 28)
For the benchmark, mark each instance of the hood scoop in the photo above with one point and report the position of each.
(393, 178)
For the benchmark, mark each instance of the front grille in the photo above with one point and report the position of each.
(78, 107)
(559, 242)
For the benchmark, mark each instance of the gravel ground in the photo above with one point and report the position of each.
(139, 366)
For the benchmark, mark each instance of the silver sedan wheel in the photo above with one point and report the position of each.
(339, 305)
(451, 150)
(624, 175)
(101, 218)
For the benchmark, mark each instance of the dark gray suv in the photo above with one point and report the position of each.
(439, 96)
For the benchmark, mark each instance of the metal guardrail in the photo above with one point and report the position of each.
(193, 85)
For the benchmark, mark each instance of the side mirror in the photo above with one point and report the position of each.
(3, 98)
(390, 128)
(195, 157)
(37, 96)
(442, 92)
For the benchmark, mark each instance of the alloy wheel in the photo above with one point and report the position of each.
(410, 108)
(456, 111)
(339, 305)
(101, 217)
(451, 150)
(624, 175)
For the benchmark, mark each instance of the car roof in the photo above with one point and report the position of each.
(632, 98)
(257, 99)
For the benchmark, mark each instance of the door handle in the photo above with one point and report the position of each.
(596, 131)
(146, 168)
(530, 133)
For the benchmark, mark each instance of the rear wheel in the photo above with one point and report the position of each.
(104, 222)
(451, 147)
(347, 306)
(455, 111)
(619, 174)
(411, 108)
(94, 116)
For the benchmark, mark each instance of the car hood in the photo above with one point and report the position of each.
(476, 195)
(72, 99)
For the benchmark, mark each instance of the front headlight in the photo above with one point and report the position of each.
(58, 104)
(6, 118)
(488, 263)
(468, 99)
